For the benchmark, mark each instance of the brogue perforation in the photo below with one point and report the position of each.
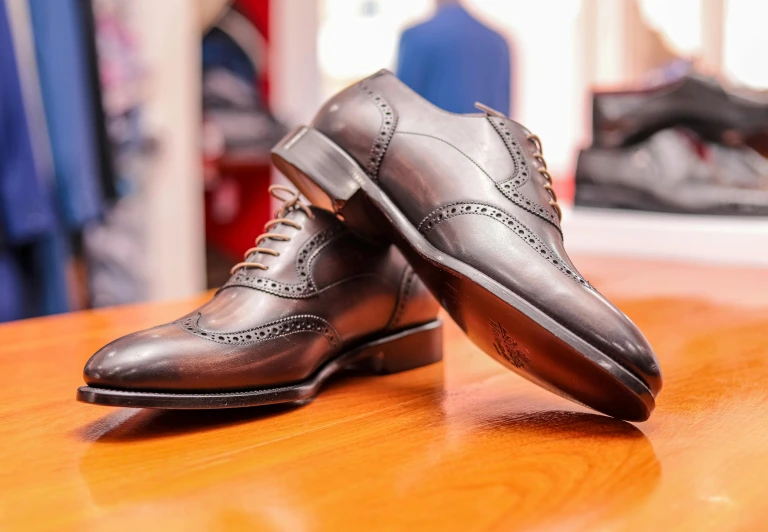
(382, 140)
(513, 224)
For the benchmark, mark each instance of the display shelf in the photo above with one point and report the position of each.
(712, 239)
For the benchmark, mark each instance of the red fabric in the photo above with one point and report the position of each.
(257, 12)
(246, 207)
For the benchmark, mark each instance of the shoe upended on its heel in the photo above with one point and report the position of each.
(467, 200)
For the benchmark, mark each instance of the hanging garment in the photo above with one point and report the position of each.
(67, 95)
(35, 254)
(14, 298)
(26, 60)
(114, 245)
(453, 61)
(34, 277)
(50, 261)
(25, 203)
(234, 53)
(107, 172)
(236, 116)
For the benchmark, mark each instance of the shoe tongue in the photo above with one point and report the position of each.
(489, 110)
(294, 213)
(320, 218)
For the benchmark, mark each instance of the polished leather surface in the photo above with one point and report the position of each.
(326, 292)
(470, 184)
(674, 171)
(621, 118)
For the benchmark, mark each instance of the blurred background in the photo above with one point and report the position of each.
(135, 134)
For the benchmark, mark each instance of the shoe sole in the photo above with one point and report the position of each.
(401, 351)
(504, 325)
(604, 196)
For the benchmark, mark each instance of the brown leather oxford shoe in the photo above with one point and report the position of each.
(469, 201)
(311, 298)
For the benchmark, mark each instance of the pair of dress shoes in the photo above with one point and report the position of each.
(682, 147)
(412, 208)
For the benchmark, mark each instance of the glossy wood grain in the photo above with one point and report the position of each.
(461, 445)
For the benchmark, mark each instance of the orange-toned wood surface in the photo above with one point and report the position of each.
(460, 445)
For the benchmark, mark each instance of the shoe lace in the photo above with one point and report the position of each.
(290, 202)
(538, 155)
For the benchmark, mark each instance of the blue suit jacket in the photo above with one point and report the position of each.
(61, 62)
(33, 245)
(453, 60)
(25, 204)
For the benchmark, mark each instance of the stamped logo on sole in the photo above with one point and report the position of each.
(506, 346)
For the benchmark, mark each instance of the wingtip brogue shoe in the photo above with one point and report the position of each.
(468, 200)
(310, 299)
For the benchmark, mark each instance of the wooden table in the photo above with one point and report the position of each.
(461, 445)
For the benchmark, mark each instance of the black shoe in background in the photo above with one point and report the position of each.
(695, 101)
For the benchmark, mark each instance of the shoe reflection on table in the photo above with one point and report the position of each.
(415, 442)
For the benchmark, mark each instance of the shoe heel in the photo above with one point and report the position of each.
(406, 350)
(329, 178)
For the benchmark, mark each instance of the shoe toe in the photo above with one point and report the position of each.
(623, 342)
(171, 359)
(142, 360)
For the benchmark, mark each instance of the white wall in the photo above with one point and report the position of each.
(170, 42)
(548, 68)
(293, 67)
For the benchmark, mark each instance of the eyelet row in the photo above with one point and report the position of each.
(270, 331)
(512, 223)
(520, 175)
(305, 288)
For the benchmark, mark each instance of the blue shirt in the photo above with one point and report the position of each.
(453, 60)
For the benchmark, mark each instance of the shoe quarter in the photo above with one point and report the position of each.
(434, 163)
